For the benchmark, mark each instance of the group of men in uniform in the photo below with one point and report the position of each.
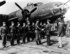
(29, 31)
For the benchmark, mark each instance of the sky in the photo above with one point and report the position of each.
(11, 7)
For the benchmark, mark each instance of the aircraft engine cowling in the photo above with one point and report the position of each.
(25, 13)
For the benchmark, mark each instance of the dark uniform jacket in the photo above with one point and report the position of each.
(3, 30)
(12, 30)
(18, 30)
(60, 28)
(23, 29)
(48, 29)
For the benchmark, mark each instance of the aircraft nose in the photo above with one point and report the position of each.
(61, 8)
(64, 7)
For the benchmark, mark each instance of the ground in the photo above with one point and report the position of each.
(32, 48)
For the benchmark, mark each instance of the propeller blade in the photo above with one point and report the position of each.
(3, 2)
(18, 6)
(33, 10)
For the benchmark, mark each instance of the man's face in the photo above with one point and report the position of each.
(44, 24)
(23, 24)
(12, 23)
(48, 22)
(40, 23)
(32, 23)
(59, 19)
(18, 24)
(37, 21)
(4, 23)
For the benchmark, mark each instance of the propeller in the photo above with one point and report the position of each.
(26, 13)
(18, 6)
(3, 2)
(33, 10)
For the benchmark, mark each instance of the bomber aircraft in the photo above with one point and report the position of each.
(38, 11)
(41, 11)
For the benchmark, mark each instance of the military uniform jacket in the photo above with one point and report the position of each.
(23, 29)
(48, 29)
(18, 30)
(3, 30)
(12, 29)
(37, 27)
(60, 28)
(32, 28)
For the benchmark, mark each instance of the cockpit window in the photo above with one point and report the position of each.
(38, 4)
(34, 4)
(29, 4)
(58, 4)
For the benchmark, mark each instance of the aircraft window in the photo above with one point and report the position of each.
(55, 11)
(58, 5)
(60, 9)
(29, 4)
(37, 4)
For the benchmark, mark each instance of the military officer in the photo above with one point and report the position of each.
(33, 30)
(4, 34)
(48, 30)
(37, 32)
(12, 31)
(60, 31)
(28, 30)
(18, 32)
(42, 30)
(23, 33)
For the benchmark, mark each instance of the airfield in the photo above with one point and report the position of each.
(32, 48)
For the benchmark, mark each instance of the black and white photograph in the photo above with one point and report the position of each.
(34, 26)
